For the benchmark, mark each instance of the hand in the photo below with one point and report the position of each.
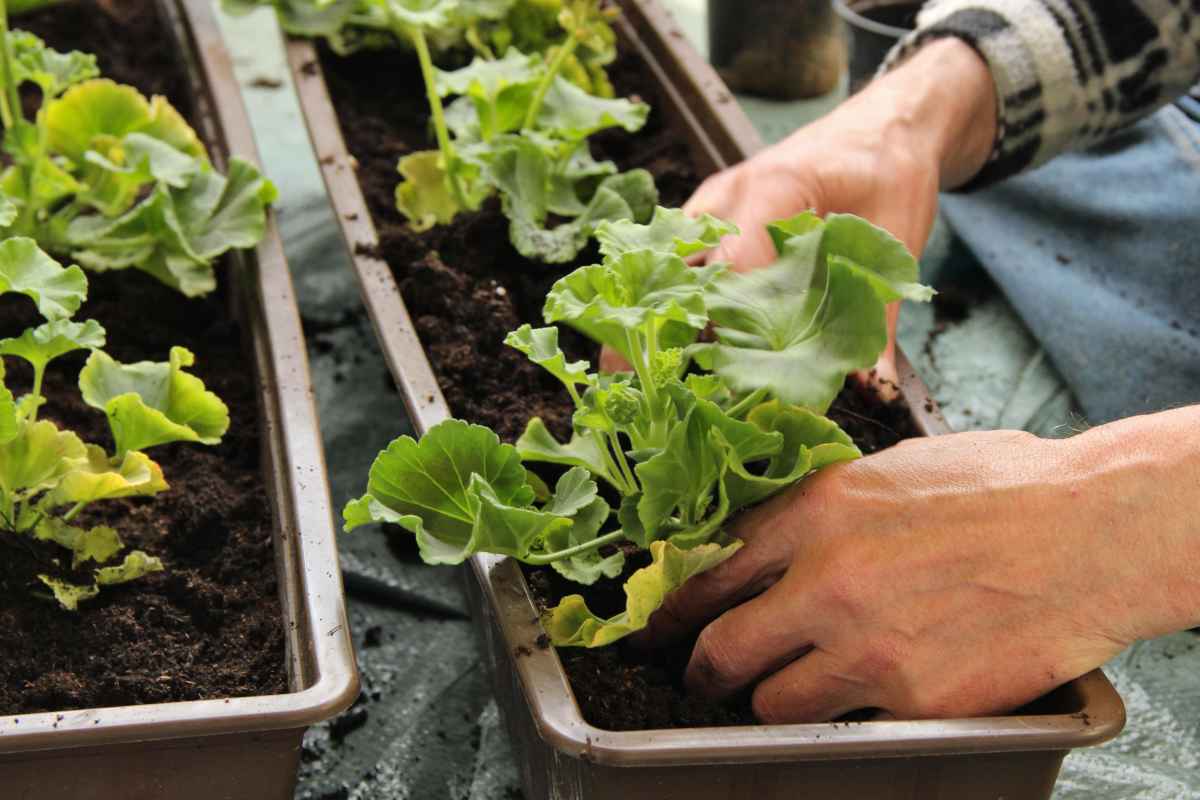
(954, 576)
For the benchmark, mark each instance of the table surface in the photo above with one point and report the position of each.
(426, 728)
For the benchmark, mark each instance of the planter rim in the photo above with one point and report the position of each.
(554, 711)
(326, 672)
(856, 19)
(1100, 715)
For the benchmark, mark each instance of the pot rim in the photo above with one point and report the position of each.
(321, 660)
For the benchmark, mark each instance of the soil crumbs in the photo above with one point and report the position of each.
(209, 626)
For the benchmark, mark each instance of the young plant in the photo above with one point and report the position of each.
(682, 448)
(112, 180)
(525, 107)
(48, 475)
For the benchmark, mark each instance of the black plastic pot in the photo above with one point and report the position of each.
(244, 748)
(874, 27)
(563, 757)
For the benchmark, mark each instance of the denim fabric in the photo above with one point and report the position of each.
(1099, 252)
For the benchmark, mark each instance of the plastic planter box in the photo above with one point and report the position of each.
(561, 756)
(245, 748)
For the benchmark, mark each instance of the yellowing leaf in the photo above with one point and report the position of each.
(572, 624)
(99, 478)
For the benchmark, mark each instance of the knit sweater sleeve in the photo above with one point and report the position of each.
(1068, 73)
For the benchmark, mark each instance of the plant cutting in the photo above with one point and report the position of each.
(519, 126)
(48, 475)
(694, 433)
(113, 180)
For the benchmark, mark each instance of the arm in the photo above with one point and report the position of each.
(961, 575)
(1067, 74)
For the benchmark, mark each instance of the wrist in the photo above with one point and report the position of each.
(1146, 472)
(945, 98)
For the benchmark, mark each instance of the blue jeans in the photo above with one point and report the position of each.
(1099, 252)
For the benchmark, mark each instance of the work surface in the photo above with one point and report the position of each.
(426, 727)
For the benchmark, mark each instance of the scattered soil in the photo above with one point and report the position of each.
(466, 288)
(209, 626)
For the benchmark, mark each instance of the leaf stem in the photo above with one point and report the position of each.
(539, 95)
(10, 98)
(623, 464)
(74, 512)
(417, 36)
(542, 559)
(39, 373)
(748, 402)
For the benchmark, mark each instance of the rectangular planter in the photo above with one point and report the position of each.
(560, 755)
(243, 748)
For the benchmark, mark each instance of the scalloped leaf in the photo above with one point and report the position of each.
(670, 230)
(540, 345)
(58, 292)
(150, 403)
(572, 624)
(37, 458)
(41, 345)
(102, 478)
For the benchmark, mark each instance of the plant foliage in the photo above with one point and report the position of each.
(114, 180)
(686, 439)
(49, 475)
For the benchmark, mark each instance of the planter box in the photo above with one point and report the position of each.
(244, 748)
(561, 756)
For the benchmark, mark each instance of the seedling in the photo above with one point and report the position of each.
(694, 433)
(49, 475)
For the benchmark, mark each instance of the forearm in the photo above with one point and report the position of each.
(1147, 470)
(1067, 76)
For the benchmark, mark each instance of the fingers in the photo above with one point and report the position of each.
(811, 689)
(611, 361)
(747, 642)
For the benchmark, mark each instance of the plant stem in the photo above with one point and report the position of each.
(435, 108)
(623, 463)
(539, 95)
(74, 512)
(10, 98)
(748, 402)
(39, 373)
(615, 476)
(542, 559)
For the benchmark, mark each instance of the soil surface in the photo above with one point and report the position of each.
(466, 288)
(209, 626)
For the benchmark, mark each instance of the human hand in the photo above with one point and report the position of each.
(953, 576)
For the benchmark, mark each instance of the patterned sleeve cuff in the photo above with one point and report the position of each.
(1041, 109)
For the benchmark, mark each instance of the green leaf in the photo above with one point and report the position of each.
(423, 195)
(41, 345)
(97, 544)
(540, 345)
(588, 567)
(434, 488)
(101, 478)
(177, 234)
(150, 403)
(52, 71)
(569, 112)
(679, 484)
(572, 624)
(669, 231)
(26, 270)
(69, 595)
(37, 458)
(98, 114)
(538, 444)
(817, 314)
(9, 417)
(136, 565)
(8, 211)
(810, 442)
(424, 14)
(500, 90)
(638, 289)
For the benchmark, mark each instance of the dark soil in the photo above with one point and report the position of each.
(464, 284)
(209, 626)
(466, 287)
